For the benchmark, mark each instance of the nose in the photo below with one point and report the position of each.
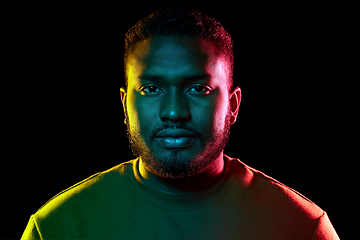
(174, 108)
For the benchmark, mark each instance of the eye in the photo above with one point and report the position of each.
(150, 90)
(200, 90)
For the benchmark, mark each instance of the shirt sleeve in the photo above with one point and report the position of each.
(31, 231)
(324, 229)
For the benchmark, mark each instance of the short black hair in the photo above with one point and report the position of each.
(181, 22)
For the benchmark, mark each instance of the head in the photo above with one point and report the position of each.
(178, 99)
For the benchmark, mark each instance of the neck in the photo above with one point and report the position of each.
(198, 183)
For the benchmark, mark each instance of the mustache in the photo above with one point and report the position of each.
(176, 126)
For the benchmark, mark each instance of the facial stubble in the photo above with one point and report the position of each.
(176, 165)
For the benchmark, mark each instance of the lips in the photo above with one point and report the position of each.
(174, 133)
(175, 138)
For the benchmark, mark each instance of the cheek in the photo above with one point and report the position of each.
(132, 112)
(140, 114)
(211, 116)
(220, 113)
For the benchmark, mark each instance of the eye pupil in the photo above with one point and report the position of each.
(152, 89)
(198, 88)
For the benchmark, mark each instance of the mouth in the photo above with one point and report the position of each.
(171, 142)
(175, 138)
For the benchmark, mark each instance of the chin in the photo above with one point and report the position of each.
(179, 163)
(174, 164)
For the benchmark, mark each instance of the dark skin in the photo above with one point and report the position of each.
(179, 80)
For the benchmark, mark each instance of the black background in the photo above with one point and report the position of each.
(63, 119)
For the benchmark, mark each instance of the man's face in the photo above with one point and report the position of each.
(177, 104)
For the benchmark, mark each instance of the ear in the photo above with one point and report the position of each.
(123, 95)
(235, 99)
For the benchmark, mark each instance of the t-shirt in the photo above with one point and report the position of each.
(118, 204)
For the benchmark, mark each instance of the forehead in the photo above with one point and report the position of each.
(173, 56)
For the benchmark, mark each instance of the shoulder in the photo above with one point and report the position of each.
(280, 210)
(87, 193)
(273, 196)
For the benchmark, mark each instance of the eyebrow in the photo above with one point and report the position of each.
(193, 78)
(198, 77)
(149, 77)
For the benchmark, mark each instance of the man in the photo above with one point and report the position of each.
(179, 102)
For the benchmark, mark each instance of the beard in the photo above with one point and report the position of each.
(176, 165)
